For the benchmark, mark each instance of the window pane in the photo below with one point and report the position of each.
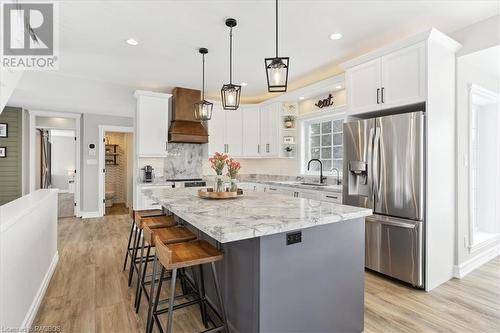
(326, 127)
(337, 152)
(337, 164)
(314, 141)
(326, 152)
(327, 165)
(314, 128)
(315, 153)
(326, 140)
(337, 139)
(337, 125)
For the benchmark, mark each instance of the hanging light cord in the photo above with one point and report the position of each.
(276, 28)
(203, 78)
(231, 55)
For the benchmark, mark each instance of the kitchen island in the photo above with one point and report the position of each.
(290, 264)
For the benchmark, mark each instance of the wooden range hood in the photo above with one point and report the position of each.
(184, 128)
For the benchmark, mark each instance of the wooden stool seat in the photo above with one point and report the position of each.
(155, 222)
(168, 235)
(140, 214)
(187, 254)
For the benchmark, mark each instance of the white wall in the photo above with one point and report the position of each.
(63, 157)
(28, 256)
(478, 36)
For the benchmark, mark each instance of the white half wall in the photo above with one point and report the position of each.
(28, 256)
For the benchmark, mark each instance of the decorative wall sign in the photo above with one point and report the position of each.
(288, 139)
(326, 102)
(3, 152)
(4, 130)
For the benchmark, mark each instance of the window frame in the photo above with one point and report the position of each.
(331, 116)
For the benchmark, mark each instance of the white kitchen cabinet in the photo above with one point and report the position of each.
(393, 80)
(403, 77)
(251, 132)
(363, 87)
(151, 123)
(331, 197)
(225, 132)
(269, 130)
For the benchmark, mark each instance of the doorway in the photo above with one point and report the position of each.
(116, 183)
(54, 159)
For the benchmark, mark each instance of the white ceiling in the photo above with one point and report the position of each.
(92, 35)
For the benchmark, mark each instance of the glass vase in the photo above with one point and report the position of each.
(219, 183)
(233, 185)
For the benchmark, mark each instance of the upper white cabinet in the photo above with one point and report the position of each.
(251, 131)
(393, 80)
(151, 123)
(269, 130)
(225, 132)
(363, 87)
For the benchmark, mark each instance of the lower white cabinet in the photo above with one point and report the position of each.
(334, 197)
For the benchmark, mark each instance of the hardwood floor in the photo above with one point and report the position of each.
(88, 292)
(66, 205)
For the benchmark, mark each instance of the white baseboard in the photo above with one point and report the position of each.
(459, 271)
(90, 215)
(30, 316)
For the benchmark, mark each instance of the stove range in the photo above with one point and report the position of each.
(187, 182)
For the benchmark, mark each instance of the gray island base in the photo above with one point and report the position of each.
(290, 264)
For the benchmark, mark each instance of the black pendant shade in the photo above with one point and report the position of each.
(230, 93)
(277, 67)
(203, 108)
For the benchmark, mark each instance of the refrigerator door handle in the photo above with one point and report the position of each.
(375, 163)
(370, 162)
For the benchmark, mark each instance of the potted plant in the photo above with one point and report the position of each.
(289, 121)
(217, 162)
(288, 150)
(232, 170)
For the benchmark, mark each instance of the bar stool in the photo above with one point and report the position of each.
(154, 222)
(169, 235)
(183, 255)
(137, 215)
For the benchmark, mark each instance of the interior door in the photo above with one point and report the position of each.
(251, 131)
(363, 87)
(217, 131)
(358, 151)
(399, 166)
(234, 135)
(403, 76)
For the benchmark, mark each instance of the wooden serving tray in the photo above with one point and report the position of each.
(207, 194)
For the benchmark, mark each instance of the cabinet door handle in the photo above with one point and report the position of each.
(378, 98)
(267, 147)
(382, 99)
(332, 197)
(258, 148)
(272, 189)
(227, 145)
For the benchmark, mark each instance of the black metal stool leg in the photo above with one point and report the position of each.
(143, 279)
(171, 301)
(139, 272)
(149, 324)
(128, 245)
(219, 295)
(134, 256)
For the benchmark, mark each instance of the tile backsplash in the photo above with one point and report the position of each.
(184, 160)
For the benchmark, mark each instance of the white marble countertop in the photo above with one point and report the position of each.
(251, 215)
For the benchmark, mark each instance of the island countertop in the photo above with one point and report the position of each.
(251, 215)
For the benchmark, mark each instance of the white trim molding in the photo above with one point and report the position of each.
(33, 310)
(460, 271)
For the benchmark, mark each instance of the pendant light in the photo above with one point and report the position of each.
(230, 93)
(203, 108)
(277, 67)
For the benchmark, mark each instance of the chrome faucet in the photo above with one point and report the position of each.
(321, 178)
(338, 175)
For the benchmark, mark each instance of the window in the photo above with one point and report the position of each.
(324, 141)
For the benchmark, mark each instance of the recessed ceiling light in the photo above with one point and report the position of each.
(336, 36)
(301, 98)
(243, 84)
(338, 87)
(132, 42)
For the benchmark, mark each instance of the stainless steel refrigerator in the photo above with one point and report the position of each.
(384, 170)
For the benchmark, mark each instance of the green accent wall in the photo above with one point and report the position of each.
(11, 166)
